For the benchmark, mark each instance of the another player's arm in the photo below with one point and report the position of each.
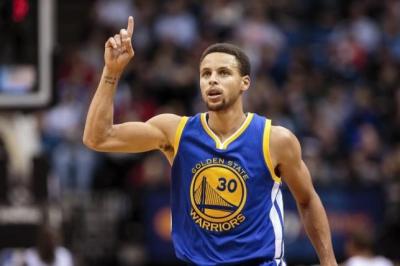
(100, 133)
(286, 154)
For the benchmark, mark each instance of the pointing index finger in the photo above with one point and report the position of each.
(130, 27)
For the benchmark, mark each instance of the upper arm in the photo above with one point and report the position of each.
(286, 154)
(156, 133)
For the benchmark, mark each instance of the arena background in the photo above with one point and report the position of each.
(328, 70)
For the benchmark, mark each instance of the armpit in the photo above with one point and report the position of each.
(166, 148)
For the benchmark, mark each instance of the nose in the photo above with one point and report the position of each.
(213, 79)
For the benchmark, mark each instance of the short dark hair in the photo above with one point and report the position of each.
(227, 48)
(361, 240)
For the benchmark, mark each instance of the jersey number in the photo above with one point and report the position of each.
(231, 185)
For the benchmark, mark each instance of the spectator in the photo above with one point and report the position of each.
(48, 251)
(359, 248)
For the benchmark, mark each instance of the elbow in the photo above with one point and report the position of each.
(90, 143)
(89, 139)
(97, 142)
(308, 200)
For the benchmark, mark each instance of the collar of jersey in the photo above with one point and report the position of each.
(224, 145)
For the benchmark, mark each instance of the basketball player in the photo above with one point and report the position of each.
(227, 165)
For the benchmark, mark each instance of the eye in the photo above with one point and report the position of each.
(205, 74)
(224, 73)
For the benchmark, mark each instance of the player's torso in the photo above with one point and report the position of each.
(226, 205)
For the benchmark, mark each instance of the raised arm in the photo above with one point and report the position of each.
(100, 132)
(286, 156)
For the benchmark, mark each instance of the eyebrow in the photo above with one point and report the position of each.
(219, 68)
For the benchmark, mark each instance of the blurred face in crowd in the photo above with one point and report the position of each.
(220, 81)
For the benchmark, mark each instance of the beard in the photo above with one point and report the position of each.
(218, 106)
(224, 104)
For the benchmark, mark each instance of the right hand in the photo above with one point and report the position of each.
(118, 49)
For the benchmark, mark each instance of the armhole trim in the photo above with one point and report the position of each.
(178, 133)
(267, 155)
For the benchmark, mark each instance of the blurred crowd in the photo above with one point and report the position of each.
(327, 70)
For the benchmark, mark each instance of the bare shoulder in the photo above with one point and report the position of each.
(283, 144)
(281, 135)
(167, 120)
(167, 123)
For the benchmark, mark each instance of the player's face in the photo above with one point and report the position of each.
(220, 81)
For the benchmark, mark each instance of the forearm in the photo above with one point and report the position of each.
(99, 119)
(316, 225)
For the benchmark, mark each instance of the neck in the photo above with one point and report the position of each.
(224, 123)
(365, 253)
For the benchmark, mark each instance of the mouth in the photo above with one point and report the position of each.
(214, 94)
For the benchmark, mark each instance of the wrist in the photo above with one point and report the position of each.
(329, 263)
(111, 72)
(110, 77)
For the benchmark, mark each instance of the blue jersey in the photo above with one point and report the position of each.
(226, 199)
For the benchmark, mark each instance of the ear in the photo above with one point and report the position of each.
(245, 83)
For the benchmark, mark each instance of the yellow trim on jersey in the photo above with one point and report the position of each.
(234, 136)
(209, 131)
(178, 133)
(267, 155)
(238, 132)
